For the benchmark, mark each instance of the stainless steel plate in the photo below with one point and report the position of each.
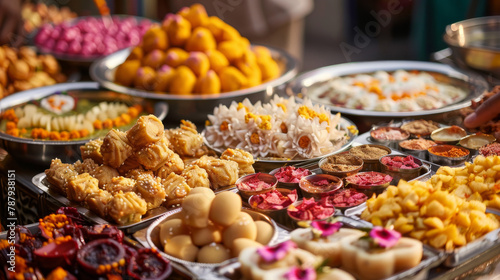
(193, 107)
(41, 152)
(267, 164)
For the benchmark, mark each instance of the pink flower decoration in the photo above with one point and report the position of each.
(275, 253)
(296, 273)
(385, 238)
(326, 228)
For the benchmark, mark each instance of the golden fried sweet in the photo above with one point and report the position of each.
(225, 208)
(151, 190)
(196, 177)
(198, 63)
(208, 84)
(104, 174)
(232, 50)
(220, 172)
(129, 164)
(176, 189)
(3, 77)
(147, 130)
(115, 148)
(136, 173)
(178, 30)
(232, 79)
(182, 247)
(269, 68)
(164, 76)
(99, 202)
(175, 57)
(229, 33)
(201, 40)
(183, 81)
(121, 184)
(217, 60)
(206, 235)
(80, 186)
(136, 54)
(59, 174)
(145, 78)
(195, 210)
(251, 71)
(49, 64)
(126, 72)
(213, 253)
(170, 228)
(154, 155)
(154, 59)
(243, 158)
(242, 227)
(185, 140)
(173, 164)
(215, 25)
(19, 70)
(92, 150)
(196, 15)
(127, 208)
(154, 38)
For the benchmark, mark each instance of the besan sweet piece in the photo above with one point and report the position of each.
(225, 208)
(205, 191)
(171, 228)
(182, 247)
(265, 232)
(243, 226)
(206, 235)
(213, 253)
(196, 209)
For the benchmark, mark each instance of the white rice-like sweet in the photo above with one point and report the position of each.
(280, 128)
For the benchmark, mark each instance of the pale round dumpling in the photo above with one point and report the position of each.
(213, 253)
(195, 210)
(240, 244)
(201, 190)
(171, 228)
(206, 235)
(244, 226)
(265, 232)
(225, 208)
(182, 247)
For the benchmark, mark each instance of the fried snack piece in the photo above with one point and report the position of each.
(115, 148)
(127, 208)
(59, 174)
(221, 172)
(174, 164)
(125, 73)
(154, 155)
(136, 173)
(129, 164)
(196, 176)
(151, 190)
(176, 189)
(99, 202)
(80, 186)
(121, 184)
(243, 158)
(104, 174)
(148, 129)
(87, 166)
(185, 140)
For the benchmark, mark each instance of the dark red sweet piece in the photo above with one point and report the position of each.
(345, 198)
(73, 215)
(101, 256)
(311, 210)
(103, 231)
(291, 174)
(57, 253)
(148, 264)
(273, 200)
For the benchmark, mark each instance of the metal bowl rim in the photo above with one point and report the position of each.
(338, 70)
(469, 23)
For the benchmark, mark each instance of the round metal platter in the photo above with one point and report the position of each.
(269, 163)
(43, 151)
(472, 83)
(193, 107)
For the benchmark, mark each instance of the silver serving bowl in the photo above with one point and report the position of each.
(476, 43)
(41, 152)
(472, 83)
(397, 173)
(194, 107)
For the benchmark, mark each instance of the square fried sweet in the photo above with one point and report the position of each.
(154, 155)
(151, 190)
(185, 140)
(244, 160)
(104, 174)
(127, 208)
(121, 184)
(137, 172)
(59, 174)
(174, 163)
(99, 202)
(115, 148)
(92, 150)
(221, 173)
(80, 186)
(196, 176)
(87, 166)
(148, 129)
(176, 189)
(129, 164)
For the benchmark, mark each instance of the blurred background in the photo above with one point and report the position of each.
(326, 32)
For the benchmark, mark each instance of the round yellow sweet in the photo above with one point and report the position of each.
(201, 40)
(126, 72)
(205, 191)
(206, 235)
(154, 38)
(183, 81)
(213, 253)
(265, 232)
(243, 226)
(171, 228)
(208, 84)
(232, 79)
(154, 59)
(240, 244)
(225, 209)
(182, 247)
(195, 210)
(198, 63)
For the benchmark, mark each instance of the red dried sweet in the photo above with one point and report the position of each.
(148, 264)
(345, 198)
(311, 210)
(273, 200)
(291, 174)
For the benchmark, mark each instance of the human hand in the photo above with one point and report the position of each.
(484, 113)
(11, 22)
